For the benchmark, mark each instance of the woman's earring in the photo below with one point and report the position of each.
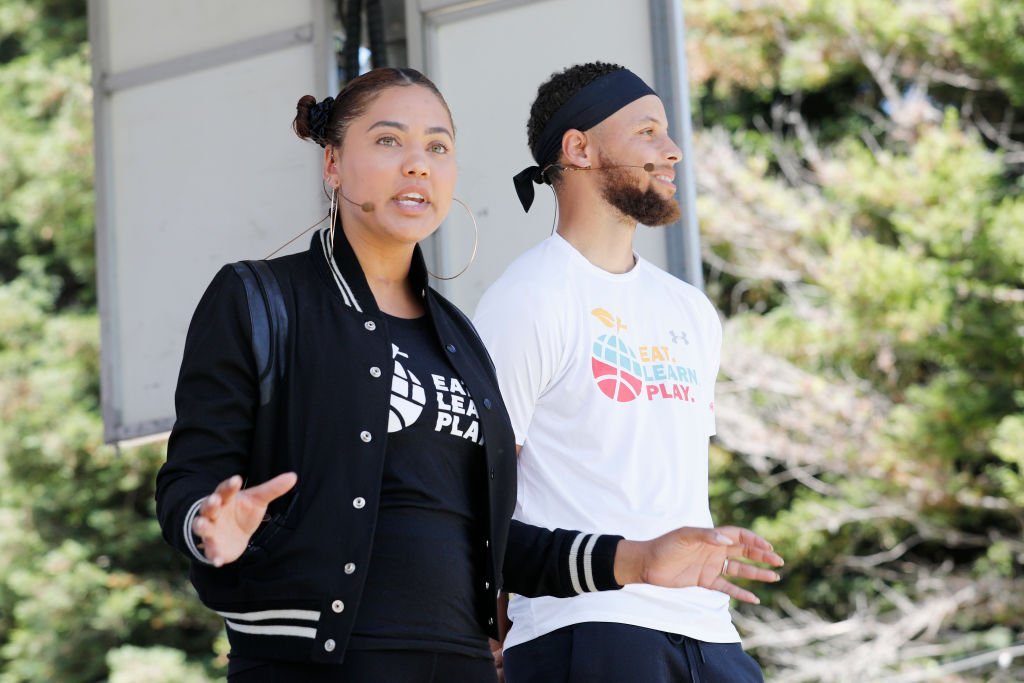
(476, 242)
(333, 213)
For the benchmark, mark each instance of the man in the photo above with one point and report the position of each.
(607, 366)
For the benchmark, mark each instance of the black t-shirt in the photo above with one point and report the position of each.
(421, 589)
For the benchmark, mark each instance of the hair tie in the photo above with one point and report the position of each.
(319, 115)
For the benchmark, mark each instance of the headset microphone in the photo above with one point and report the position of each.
(367, 207)
(647, 167)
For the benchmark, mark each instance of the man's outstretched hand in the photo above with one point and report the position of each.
(692, 556)
(230, 515)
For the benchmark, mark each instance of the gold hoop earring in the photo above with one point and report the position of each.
(476, 243)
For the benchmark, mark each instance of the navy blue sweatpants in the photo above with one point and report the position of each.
(369, 666)
(599, 652)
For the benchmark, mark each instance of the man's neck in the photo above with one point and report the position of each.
(603, 235)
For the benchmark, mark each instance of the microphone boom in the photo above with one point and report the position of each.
(647, 167)
(367, 207)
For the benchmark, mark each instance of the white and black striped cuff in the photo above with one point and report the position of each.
(298, 623)
(592, 563)
(190, 537)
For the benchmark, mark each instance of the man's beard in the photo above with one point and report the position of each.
(621, 189)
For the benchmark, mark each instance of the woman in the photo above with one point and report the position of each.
(370, 541)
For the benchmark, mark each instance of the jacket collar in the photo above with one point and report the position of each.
(343, 269)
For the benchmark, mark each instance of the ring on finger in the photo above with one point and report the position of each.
(725, 567)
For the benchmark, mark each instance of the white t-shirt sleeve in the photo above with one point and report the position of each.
(523, 337)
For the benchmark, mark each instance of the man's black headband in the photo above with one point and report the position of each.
(595, 102)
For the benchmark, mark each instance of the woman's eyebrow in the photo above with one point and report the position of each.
(440, 129)
(390, 124)
(405, 129)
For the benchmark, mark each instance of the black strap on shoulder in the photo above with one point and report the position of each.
(269, 319)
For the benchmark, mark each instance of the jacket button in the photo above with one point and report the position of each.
(487, 543)
(487, 585)
(492, 474)
(370, 325)
(487, 403)
(329, 645)
(350, 568)
(365, 436)
(359, 503)
(490, 621)
(338, 606)
(451, 348)
(374, 371)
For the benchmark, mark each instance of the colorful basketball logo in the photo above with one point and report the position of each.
(616, 369)
(407, 395)
(615, 366)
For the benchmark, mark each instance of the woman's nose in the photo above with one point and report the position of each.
(416, 165)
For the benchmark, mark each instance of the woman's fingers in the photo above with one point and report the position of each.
(211, 538)
(210, 509)
(204, 528)
(225, 536)
(268, 491)
(228, 488)
(221, 496)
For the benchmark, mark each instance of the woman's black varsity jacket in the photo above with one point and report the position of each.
(294, 593)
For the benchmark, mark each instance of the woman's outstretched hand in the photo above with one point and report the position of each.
(230, 515)
(692, 556)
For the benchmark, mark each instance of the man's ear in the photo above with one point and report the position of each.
(576, 149)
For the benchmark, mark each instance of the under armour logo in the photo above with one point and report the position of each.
(680, 336)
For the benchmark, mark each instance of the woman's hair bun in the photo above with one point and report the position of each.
(312, 117)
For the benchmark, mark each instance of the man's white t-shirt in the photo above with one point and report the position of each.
(609, 382)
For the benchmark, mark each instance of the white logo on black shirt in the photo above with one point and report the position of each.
(456, 412)
(407, 395)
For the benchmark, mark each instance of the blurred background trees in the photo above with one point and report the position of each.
(88, 589)
(860, 186)
(860, 167)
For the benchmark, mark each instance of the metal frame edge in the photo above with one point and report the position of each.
(668, 42)
(103, 236)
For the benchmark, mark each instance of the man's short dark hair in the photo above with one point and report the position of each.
(554, 93)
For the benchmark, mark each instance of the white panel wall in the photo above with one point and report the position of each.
(196, 166)
(145, 33)
(488, 61)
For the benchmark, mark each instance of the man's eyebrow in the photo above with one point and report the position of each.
(651, 119)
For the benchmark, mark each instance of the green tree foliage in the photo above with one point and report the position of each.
(83, 569)
(860, 175)
(46, 159)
